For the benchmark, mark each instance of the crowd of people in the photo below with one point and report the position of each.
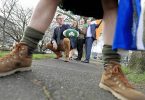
(86, 29)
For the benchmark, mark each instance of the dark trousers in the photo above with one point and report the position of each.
(80, 43)
(88, 47)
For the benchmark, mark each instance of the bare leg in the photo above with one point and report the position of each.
(71, 53)
(43, 14)
(109, 19)
(113, 79)
(40, 20)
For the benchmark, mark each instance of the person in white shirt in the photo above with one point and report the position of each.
(90, 37)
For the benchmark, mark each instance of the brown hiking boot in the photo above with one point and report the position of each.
(17, 60)
(113, 80)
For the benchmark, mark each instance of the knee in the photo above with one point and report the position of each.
(47, 46)
(66, 40)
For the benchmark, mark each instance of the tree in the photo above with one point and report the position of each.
(20, 18)
(15, 19)
(6, 10)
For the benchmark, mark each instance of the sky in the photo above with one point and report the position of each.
(28, 3)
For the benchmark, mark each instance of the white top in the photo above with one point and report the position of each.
(89, 34)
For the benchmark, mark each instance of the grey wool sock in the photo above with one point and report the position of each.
(109, 54)
(31, 37)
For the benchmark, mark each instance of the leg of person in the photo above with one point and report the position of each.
(66, 45)
(71, 54)
(80, 43)
(113, 79)
(89, 42)
(20, 58)
(72, 47)
(56, 51)
(86, 40)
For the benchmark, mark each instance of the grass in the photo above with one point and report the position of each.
(2, 53)
(42, 56)
(138, 78)
(35, 56)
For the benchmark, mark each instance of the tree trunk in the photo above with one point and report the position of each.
(137, 61)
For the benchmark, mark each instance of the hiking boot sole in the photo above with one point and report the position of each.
(16, 70)
(112, 91)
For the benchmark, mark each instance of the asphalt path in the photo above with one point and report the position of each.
(52, 79)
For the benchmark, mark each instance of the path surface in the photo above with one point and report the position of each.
(53, 79)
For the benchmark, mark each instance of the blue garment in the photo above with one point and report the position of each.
(73, 42)
(93, 30)
(127, 25)
(88, 47)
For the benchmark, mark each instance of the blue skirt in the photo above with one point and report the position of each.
(129, 32)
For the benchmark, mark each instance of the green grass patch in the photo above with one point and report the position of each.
(42, 56)
(35, 56)
(3, 53)
(138, 78)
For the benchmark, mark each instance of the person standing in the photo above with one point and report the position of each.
(73, 39)
(90, 37)
(81, 39)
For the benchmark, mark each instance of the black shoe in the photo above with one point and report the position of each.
(85, 61)
(77, 59)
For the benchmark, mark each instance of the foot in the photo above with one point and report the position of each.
(70, 58)
(113, 80)
(58, 56)
(77, 59)
(17, 60)
(85, 61)
(66, 59)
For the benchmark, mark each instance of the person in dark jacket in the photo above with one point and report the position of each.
(59, 43)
